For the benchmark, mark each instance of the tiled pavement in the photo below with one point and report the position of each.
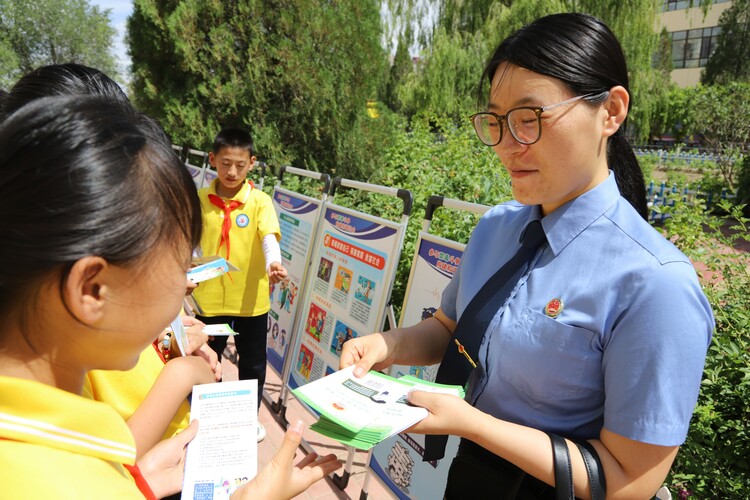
(322, 490)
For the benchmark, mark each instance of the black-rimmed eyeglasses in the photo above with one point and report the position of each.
(524, 123)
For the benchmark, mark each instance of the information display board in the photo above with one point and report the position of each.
(347, 288)
(298, 217)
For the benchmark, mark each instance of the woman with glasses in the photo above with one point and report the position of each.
(569, 314)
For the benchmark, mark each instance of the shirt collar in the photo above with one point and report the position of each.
(37, 413)
(241, 196)
(571, 219)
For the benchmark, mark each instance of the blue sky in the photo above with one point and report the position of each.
(119, 12)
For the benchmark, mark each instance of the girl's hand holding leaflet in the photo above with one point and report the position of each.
(163, 465)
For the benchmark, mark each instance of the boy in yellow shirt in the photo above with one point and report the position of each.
(239, 224)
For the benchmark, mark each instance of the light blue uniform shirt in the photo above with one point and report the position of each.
(628, 348)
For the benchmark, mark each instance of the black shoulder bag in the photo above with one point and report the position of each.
(564, 473)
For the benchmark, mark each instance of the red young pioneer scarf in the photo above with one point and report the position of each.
(227, 224)
(218, 201)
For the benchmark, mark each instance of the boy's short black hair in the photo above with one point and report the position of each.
(233, 137)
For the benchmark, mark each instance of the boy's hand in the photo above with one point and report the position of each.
(276, 272)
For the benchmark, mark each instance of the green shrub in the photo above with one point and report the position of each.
(743, 185)
(713, 462)
(648, 164)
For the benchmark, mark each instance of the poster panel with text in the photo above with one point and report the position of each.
(196, 173)
(298, 217)
(398, 460)
(347, 288)
(208, 177)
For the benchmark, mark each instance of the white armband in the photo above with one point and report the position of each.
(271, 250)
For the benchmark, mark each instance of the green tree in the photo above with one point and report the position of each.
(463, 15)
(730, 62)
(297, 73)
(38, 32)
(445, 80)
(716, 115)
(400, 69)
(467, 31)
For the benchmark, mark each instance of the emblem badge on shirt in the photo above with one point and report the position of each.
(554, 307)
(242, 220)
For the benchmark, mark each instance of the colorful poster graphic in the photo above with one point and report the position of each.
(346, 292)
(298, 217)
(398, 460)
(316, 321)
(341, 333)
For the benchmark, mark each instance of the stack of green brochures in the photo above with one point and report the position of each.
(361, 412)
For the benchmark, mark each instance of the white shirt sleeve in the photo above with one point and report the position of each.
(271, 250)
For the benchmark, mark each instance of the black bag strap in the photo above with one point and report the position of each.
(594, 469)
(564, 472)
(563, 469)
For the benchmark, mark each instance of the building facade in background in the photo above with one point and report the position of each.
(694, 36)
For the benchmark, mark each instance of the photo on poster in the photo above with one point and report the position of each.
(365, 290)
(316, 319)
(341, 333)
(291, 294)
(343, 279)
(304, 361)
(275, 333)
(324, 269)
(284, 297)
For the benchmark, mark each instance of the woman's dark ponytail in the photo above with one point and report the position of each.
(628, 173)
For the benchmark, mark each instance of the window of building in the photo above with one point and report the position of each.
(692, 48)
(669, 5)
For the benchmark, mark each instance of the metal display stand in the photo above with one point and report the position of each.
(262, 167)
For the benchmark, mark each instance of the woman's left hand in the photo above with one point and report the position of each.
(448, 414)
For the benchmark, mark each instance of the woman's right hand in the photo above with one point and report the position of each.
(371, 352)
(420, 344)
